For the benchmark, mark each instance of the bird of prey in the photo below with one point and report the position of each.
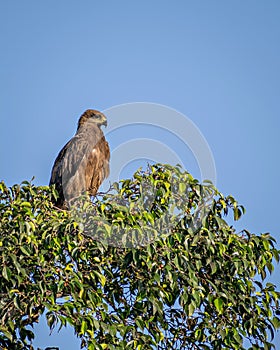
(83, 163)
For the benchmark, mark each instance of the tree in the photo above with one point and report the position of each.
(152, 264)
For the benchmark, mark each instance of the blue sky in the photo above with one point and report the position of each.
(216, 62)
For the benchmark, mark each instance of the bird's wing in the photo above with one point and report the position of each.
(69, 165)
(77, 150)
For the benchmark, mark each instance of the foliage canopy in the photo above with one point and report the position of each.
(126, 276)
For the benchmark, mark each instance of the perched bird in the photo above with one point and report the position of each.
(83, 163)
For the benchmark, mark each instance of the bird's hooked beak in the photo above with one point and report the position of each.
(105, 123)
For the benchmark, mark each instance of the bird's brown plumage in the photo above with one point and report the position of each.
(83, 163)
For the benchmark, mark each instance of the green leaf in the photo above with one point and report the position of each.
(182, 187)
(6, 272)
(276, 322)
(83, 327)
(191, 308)
(218, 302)
(26, 204)
(26, 250)
(102, 279)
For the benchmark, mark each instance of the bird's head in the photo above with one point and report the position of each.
(92, 116)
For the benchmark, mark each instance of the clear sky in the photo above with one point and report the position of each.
(217, 62)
